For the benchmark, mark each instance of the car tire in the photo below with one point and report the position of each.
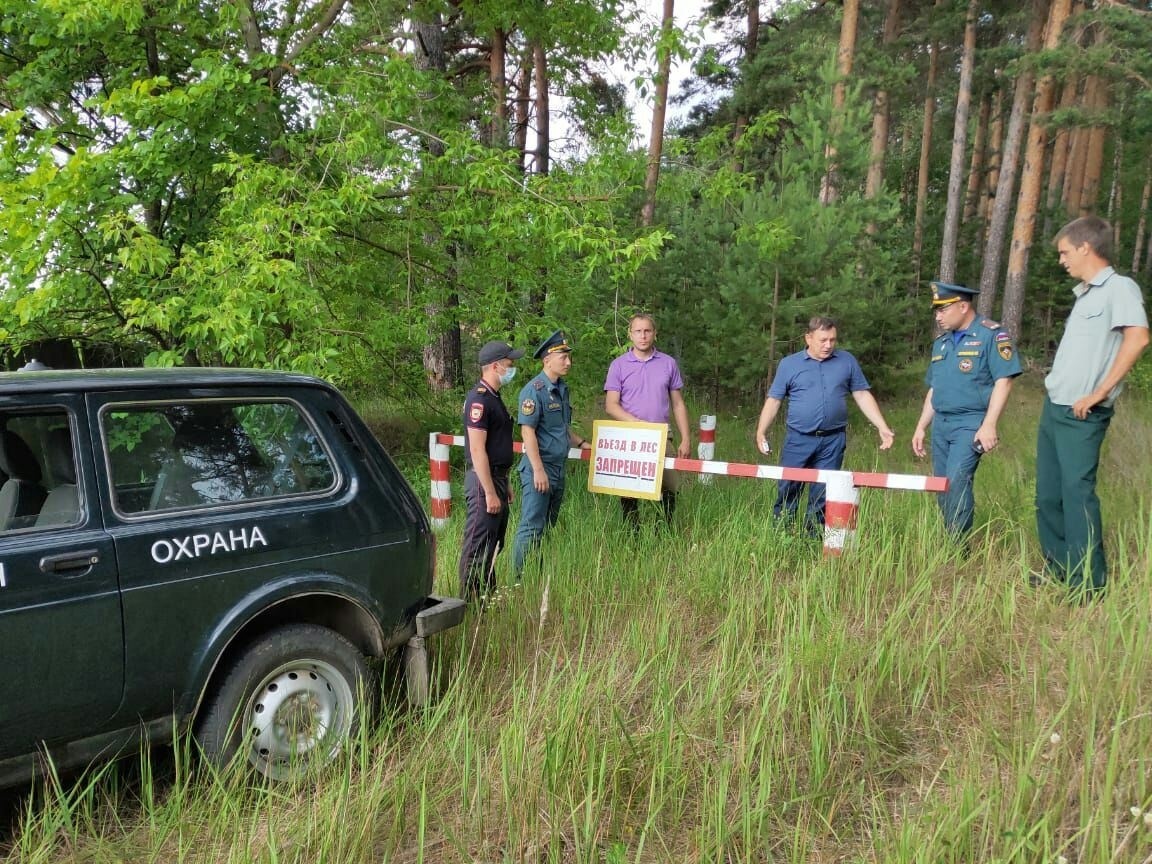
(289, 703)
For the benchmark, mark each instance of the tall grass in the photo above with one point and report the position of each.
(723, 693)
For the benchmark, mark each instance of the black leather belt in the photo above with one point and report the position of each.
(824, 433)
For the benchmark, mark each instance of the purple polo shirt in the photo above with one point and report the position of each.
(644, 385)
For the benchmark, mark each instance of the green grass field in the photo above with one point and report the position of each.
(724, 694)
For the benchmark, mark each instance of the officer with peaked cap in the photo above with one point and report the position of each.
(969, 378)
(544, 414)
(488, 456)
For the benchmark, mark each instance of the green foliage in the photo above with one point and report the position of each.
(754, 257)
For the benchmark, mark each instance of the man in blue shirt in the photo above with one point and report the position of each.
(816, 383)
(969, 379)
(545, 415)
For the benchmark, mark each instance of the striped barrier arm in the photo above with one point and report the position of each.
(842, 487)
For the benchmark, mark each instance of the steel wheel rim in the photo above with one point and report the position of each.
(298, 717)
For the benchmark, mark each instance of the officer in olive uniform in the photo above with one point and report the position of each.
(969, 379)
(488, 455)
(545, 414)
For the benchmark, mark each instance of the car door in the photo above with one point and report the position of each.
(60, 613)
(221, 502)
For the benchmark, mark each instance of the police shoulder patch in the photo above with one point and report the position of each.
(528, 407)
(1006, 351)
(990, 324)
(475, 412)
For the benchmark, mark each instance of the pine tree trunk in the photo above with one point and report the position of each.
(751, 43)
(959, 140)
(656, 140)
(1094, 153)
(1061, 145)
(1142, 223)
(881, 115)
(992, 173)
(1030, 180)
(1074, 174)
(1116, 192)
(543, 112)
(497, 77)
(845, 56)
(925, 153)
(443, 367)
(976, 163)
(1013, 141)
(523, 107)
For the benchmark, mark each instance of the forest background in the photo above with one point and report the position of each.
(368, 190)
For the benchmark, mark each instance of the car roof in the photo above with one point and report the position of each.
(87, 380)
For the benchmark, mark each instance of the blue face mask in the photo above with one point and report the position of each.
(507, 375)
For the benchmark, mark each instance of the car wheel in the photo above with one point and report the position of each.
(289, 703)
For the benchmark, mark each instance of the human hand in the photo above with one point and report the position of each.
(540, 480)
(761, 442)
(918, 443)
(684, 451)
(1082, 406)
(887, 438)
(987, 438)
(492, 503)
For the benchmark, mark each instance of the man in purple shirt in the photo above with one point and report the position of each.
(644, 384)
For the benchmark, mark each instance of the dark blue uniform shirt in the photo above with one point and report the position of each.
(967, 364)
(545, 407)
(817, 389)
(484, 409)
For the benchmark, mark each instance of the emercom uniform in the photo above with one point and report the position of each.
(965, 366)
(543, 406)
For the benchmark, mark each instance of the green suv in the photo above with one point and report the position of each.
(217, 550)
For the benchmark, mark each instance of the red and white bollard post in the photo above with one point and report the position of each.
(439, 470)
(706, 449)
(842, 501)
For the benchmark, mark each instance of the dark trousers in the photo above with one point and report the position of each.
(954, 458)
(630, 507)
(538, 510)
(483, 535)
(802, 450)
(1068, 519)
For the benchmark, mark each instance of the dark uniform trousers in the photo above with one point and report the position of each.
(483, 534)
(1067, 506)
(954, 457)
(538, 510)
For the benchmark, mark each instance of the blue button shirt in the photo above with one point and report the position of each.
(545, 407)
(817, 389)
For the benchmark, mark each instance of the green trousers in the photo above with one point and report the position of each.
(1067, 508)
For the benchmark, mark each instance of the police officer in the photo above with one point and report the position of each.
(545, 415)
(488, 454)
(969, 379)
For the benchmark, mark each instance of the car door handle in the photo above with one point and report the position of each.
(82, 559)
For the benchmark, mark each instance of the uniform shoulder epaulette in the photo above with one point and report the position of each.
(990, 324)
(538, 384)
(481, 389)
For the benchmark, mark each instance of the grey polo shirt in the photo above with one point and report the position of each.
(1104, 306)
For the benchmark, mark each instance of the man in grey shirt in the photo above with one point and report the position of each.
(1105, 334)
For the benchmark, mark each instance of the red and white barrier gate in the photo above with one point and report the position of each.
(842, 487)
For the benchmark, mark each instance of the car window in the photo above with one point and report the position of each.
(38, 488)
(207, 453)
